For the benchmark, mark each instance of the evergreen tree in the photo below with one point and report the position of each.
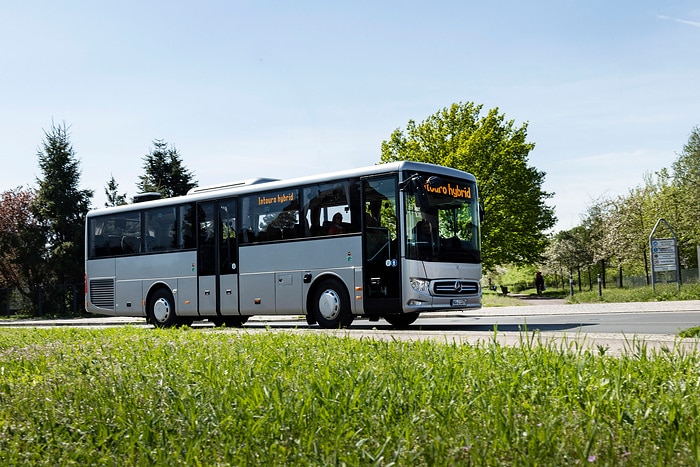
(60, 208)
(112, 192)
(165, 172)
(496, 152)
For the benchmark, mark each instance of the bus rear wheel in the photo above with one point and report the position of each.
(331, 305)
(402, 320)
(161, 309)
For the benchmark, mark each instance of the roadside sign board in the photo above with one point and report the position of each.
(664, 254)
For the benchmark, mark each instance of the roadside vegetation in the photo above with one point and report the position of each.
(660, 293)
(132, 396)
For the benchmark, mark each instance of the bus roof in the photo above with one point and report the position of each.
(255, 185)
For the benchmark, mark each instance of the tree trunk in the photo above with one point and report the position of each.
(578, 269)
(590, 279)
(619, 269)
(646, 265)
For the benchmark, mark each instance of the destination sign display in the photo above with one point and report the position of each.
(276, 198)
(454, 190)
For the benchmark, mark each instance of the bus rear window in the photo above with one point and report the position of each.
(114, 235)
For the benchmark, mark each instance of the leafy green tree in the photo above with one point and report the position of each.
(685, 191)
(60, 208)
(114, 198)
(496, 152)
(165, 172)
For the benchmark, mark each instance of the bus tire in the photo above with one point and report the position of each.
(331, 305)
(402, 320)
(310, 318)
(161, 309)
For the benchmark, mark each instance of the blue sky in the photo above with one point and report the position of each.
(279, 89)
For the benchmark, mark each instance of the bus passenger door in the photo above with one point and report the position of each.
(217, 258)
(381, 265)
(228, 258)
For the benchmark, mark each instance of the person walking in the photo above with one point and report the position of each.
(539, 283)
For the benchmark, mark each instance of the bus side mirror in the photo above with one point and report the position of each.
(481, 213)
(413, 185)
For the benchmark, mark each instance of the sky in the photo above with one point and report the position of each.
(609, 90)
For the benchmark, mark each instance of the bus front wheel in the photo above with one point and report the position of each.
(331, 305)
(161, 310)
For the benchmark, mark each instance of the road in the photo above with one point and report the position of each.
(612, 328)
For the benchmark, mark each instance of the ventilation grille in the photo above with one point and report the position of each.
(102, 293)
(455, 288)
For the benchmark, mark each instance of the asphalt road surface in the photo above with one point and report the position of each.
(609, 327)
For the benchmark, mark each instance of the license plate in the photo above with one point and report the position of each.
(459, 302)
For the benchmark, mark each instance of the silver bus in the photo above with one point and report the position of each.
(389, 242)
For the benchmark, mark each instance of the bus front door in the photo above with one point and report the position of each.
(381, 266)
(217, 259)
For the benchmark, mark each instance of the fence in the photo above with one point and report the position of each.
(590, 281)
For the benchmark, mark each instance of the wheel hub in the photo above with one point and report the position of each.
(161, 310)
(329, 304)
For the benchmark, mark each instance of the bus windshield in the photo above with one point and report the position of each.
(442, 220)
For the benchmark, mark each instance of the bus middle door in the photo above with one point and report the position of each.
(217, 258)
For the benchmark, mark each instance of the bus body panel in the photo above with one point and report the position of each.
(288, 293)
(130, 302)
(207, 296)
(185, 296)
(174, 269)
(272, 275)
(257, 293)
(452, 286)
(228, 294)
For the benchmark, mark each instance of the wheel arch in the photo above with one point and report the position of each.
(320, 279)
(154, 287)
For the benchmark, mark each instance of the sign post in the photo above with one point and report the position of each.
(664, 255)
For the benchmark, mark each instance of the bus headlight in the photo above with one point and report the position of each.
(420, 285)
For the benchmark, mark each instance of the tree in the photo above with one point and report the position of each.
(496, 152)
(112, 192)
(686, 188)
(22, 266)
(60, 208)
(571, 251)
(165, 172)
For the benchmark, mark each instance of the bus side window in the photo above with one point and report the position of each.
(161, 229)
(325, 201)
(187, 229)
(100, 247)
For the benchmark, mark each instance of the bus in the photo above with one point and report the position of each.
(390, 241)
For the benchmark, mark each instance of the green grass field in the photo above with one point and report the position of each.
(134, 396)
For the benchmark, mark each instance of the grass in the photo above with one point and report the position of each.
(133, 396)
(493, 299)
(662, 292)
